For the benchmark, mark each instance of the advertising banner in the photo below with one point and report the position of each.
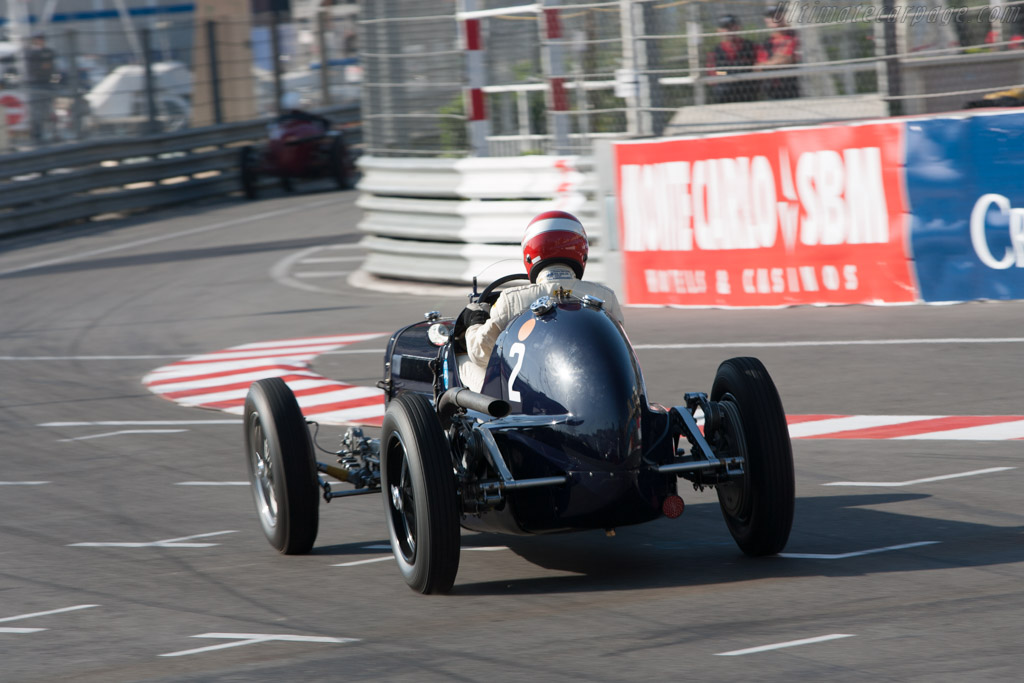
(799, 216)
(965, 185)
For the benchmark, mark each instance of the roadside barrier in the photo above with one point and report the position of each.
(448, 220)
(891, 211)
(60, 185)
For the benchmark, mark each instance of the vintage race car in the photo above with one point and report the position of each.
(300, 145)
(561, 437)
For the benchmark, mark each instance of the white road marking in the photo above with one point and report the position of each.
(926, 480)
(181, 384)
(23, 483)
(147, 357)
(334, 259)
(141, 423)
(166, 543)
(835, 342)
(11, 629)
(791, 643)
(281, 272)
(844, 556)
(32, 615)
(169, 236)
(373, 560)
(212, 483)
(638, 347)
(370, 561)
(843, 424)
(344, 352)
(124, 431)
(254, 638)
(311, 350)
(316, 274)
(307, 341)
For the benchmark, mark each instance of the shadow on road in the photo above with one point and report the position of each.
(697, 550)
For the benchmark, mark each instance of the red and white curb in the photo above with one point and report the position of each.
(908, 427)
(220, 380)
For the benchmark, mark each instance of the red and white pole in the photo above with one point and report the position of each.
(554, 66)
(476, 78)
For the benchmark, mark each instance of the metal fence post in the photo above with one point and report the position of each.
(893, 79)
(627, 76)
(321, 46)
(74, 82)
(476, 78)
(275, 48)
(554, 69)
(693, 45)
(152, 125)
(211, 46)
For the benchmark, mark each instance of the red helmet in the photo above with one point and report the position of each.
(554, 237)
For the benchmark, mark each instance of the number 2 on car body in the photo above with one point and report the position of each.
(518, 351)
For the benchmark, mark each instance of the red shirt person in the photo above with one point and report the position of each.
(733, 55)
(781, 48)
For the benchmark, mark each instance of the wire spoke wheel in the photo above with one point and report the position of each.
(282, 470)
(757, 505)
(420, 501)
(403, 506)
(263, 468)
(728, 442)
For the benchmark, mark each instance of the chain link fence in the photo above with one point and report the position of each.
(559, 75)
(131, 74)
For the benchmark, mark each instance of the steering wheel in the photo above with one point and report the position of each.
(488, 296)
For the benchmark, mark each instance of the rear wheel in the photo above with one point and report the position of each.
(282, 469)
(342, 169)
(757, 506)
(247, 171)
(419, 495)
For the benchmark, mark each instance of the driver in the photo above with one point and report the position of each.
(555, 253)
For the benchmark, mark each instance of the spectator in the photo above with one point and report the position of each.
(40, 65)
(781, 48)
(734, 54)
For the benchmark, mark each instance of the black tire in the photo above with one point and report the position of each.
(282, 469)
(417, 476)
(758, 507)
(343, 171)
(247, 172)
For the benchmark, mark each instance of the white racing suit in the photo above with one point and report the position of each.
(480, 338)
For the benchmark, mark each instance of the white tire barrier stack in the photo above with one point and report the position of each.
(448, 220)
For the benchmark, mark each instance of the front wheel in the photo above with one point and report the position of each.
(757, 506)
(419, 495)
(282, 469)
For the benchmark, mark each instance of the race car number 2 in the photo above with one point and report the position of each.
(518, 351)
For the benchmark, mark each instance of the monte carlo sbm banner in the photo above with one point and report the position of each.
(800, 216)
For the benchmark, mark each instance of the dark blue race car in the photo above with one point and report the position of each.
(561, 437)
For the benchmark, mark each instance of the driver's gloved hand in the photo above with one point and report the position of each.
(477, 314)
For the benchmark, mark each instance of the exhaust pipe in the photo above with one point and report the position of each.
(459, 397)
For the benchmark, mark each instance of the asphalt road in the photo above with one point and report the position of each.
(175, 581)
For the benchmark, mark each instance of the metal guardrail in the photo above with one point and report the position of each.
(59, 185)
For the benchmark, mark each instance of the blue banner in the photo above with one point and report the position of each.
(965, 189)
